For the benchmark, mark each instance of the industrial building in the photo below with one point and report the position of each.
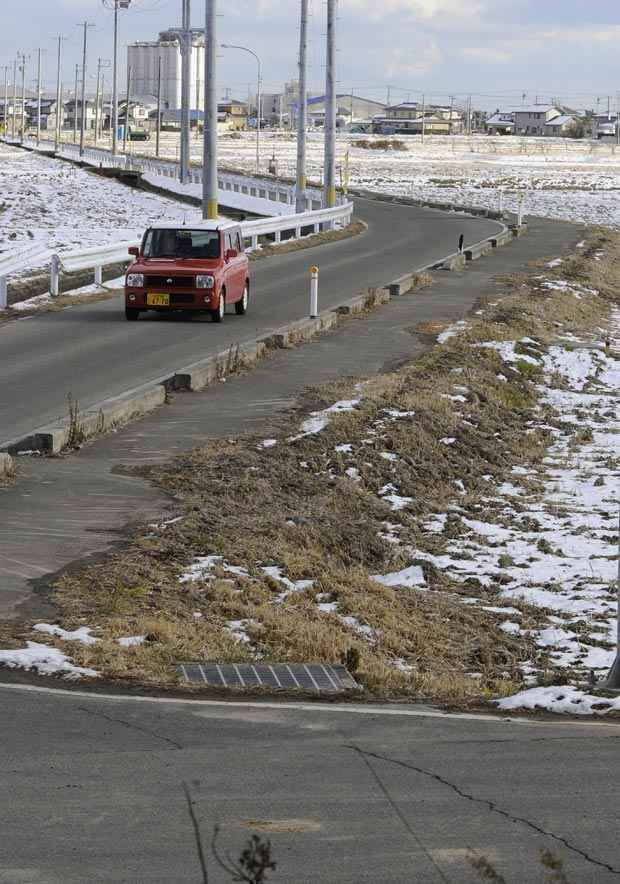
(143, 60)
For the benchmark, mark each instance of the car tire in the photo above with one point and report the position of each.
(241, 306)
(131, 315)
(218, 314)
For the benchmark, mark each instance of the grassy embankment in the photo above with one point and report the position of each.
(321, 515)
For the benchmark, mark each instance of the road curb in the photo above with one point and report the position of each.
(115, 412)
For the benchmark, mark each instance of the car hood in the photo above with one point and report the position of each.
(177, 267)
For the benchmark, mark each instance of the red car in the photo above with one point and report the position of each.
(198, 268)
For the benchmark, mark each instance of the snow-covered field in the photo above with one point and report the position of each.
(560, 178)
(63, 207)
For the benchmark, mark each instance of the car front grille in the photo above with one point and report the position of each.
(170, 282)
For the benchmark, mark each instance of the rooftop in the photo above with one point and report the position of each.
(535, 109)
(561, 120)
(219, 224)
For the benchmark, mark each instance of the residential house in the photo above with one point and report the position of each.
(235, 114)
(406, 119)
(501, 123)
(565, 124)
(533, 119)
(73, 114)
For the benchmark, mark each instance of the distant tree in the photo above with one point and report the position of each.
(577, 129)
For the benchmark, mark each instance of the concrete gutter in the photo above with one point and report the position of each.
(112, 413)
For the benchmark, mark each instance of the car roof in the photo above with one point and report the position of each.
(223, 224)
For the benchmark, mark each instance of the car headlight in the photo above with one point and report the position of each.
(135, 280)
(205, 282)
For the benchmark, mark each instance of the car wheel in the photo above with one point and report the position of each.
(217, 315)
(241, 306)
(131, 314)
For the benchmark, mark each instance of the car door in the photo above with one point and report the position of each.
(241, 259)
(235, 267)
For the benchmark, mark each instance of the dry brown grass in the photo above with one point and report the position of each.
(310, 242)
(294, 506)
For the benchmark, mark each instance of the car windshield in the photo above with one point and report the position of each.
(181, 243)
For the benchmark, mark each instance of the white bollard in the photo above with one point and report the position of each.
(55, 276)
(99, 275)
(314, 292)
(2, 292)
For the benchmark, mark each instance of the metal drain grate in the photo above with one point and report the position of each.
(315, 677)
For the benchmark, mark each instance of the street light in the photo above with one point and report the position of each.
(258, 96)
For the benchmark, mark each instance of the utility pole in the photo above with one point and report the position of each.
(23, 113)
(6, 100)
(451, 114)
(469, 116)
(329, 174)
(39, 96)
(389, 95)
(302, 111)
(102, 114)
(185, 38)
(126, 126)
(14, 120)
(86, 26)
(58, 98)
(423, 117)
(116, 5)
(210, 209)
(618, 118)
(158, 130)
(97, 101)
(75, 104)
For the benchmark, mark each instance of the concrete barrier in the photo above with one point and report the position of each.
(106, 416)
(401, 286)
(6, 465)
(478, 251)
(519, 231)
(502, 239)
(301, 330)
(200, 374)
(454, 262)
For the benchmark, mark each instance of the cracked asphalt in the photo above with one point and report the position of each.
(344, 796)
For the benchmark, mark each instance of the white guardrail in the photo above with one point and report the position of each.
(279, 195)
(296, 226)
(18, 261)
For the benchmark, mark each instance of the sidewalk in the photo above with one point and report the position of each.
(64, 510)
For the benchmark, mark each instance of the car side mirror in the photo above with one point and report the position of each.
(231, 253)
(134, 250)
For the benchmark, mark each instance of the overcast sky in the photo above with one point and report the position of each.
(495, 49)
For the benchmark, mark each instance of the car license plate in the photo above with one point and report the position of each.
(154, 300)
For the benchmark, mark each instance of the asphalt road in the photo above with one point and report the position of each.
(92, 353)
(93, 791)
